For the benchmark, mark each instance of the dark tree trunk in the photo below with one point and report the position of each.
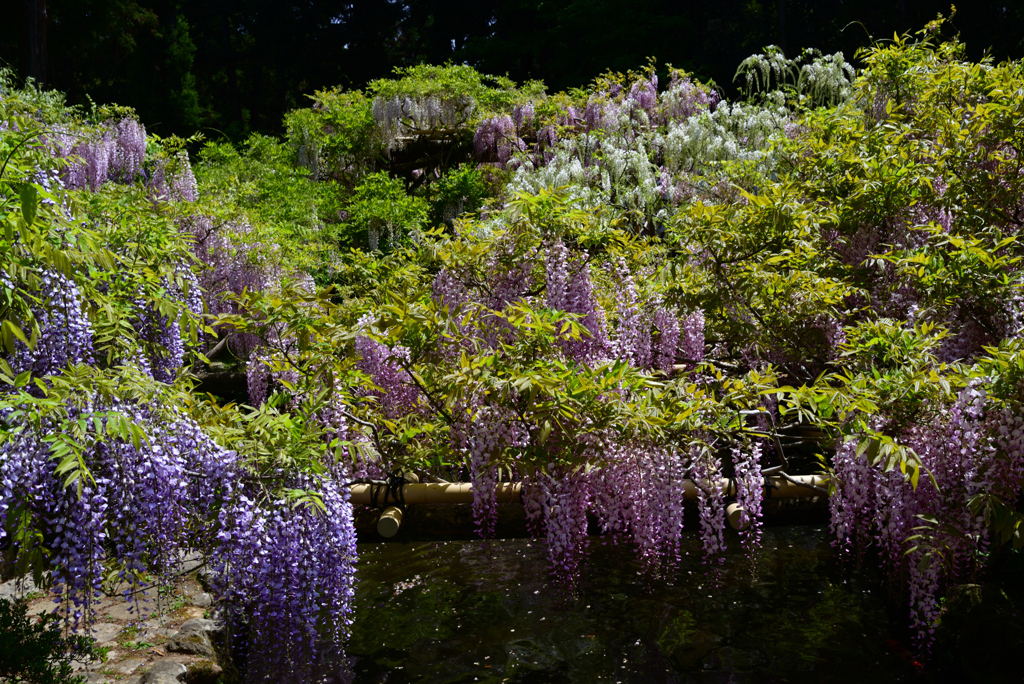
(782, 27)
(34, 44)
(232, 72)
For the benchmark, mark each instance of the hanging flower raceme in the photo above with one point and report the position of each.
(749, 492)
(645, 94)
(281, 572)
(568, 289)
(235, 264)
(632, 339)
(282, 569)
(870, 505)
(115, 152)
(489, 432)
(397, 393)
(639, 490)
(135, 498)
(130, 151)
(667, 325)
(522, 117)
(497, 139)
(65, 333)
(556, 502)
(706, 471)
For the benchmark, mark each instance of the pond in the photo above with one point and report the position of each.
(473, 611)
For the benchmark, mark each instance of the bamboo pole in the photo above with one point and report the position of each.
(511, 492)
(389, 522)
(732, 514)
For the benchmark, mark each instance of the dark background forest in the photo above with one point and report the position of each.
(236, 66)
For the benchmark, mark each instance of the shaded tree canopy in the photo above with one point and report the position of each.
(238, 65)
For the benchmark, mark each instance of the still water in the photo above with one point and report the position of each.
(472, 611)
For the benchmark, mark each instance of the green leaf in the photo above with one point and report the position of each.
(10, 327)
(29, 202)
(545, 431)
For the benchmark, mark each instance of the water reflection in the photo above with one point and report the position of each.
(472, 611)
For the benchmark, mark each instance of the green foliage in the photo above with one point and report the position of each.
(297, 219)
(382, 214)
(425, 80)
(35, 651)
(459, 82)
(49, 105)
(462, 190)
(33, 232)
(565, 405)
(761, 251)
(336, 137)
(151, 256)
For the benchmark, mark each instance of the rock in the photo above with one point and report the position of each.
(196, 594)
(194, 638)
(82, 663)
(18, 588)
(41, 605)
(205, 577)
(128, 612)
(201, 625)
(203, 672)
(201, 599)
(154, 632)
(192, 643)
(104, 632)
(126, 666)
(189, 612)
(164, 672)
(191, 562)
(96, 678)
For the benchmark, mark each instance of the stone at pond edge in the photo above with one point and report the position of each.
(203, 672)
(194, 638)
(200, 625)
(104, 632)
(95, 678)
(164, 672)
(201, 600)
(18, 588)
(125, 667)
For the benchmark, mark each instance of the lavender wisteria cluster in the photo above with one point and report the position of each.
(105, 478)
(65, 333)
(116, 151)
(571, 465)
(147, 501)
(973, 451)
